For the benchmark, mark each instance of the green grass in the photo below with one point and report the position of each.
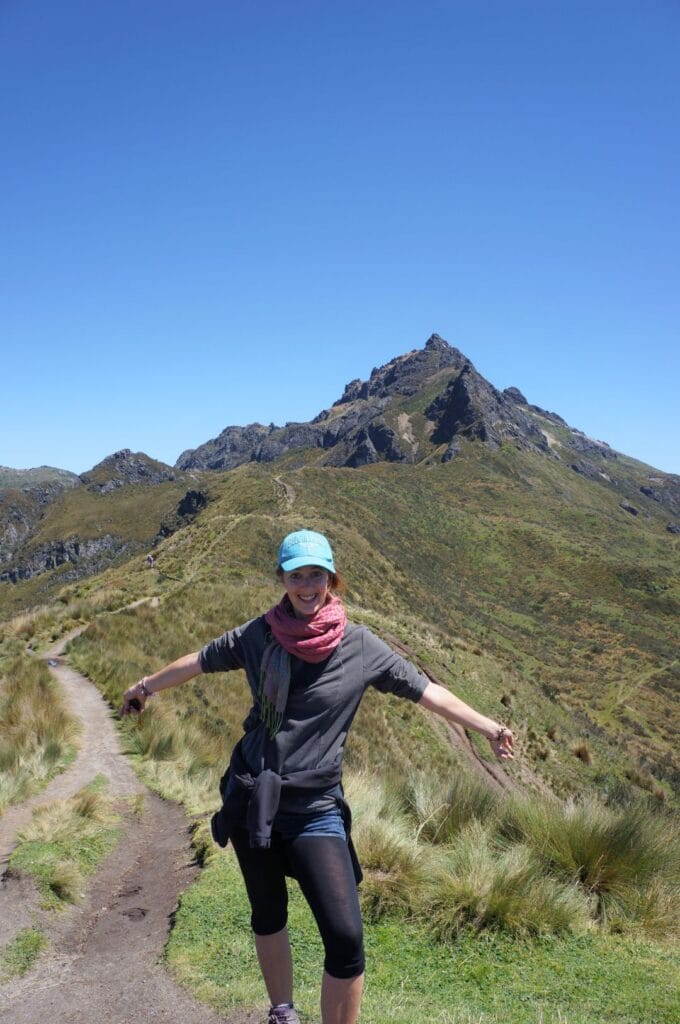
(411, 978)
(19, 955)
(64, 843)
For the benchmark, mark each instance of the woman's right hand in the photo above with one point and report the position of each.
(134, 700)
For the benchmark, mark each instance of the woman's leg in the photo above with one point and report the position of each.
(324, 870)
(264, 875)
(341, 999)
(276, 964)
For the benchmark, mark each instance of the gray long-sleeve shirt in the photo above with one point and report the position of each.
(323, 699)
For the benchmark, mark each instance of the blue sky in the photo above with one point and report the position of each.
(216, 213)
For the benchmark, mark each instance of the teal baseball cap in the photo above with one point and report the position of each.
(305, 547)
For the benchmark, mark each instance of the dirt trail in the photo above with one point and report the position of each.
(103, 958)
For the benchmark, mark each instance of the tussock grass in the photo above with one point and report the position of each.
(488, 977)
(31, 622)
(528, 867)
(395, 864)
(37, 733)
(64, 842)
(482, 886)
(626, 860)
(442, 811)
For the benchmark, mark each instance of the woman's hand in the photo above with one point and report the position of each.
(502, 743)
(134, 699)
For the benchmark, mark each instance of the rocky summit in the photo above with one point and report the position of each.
(372, 421)
(420, 407)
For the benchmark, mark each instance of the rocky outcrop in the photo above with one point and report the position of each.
(406, 374)
(187, 509)
(665, 491)
(375, 443)
(588, 470)
(585, 445)
(231, 448)
(126, 467)
(255, 443)
(472, 408)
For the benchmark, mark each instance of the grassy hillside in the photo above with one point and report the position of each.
(31, 477)
(569, 602)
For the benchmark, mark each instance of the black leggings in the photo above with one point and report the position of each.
(323, 868)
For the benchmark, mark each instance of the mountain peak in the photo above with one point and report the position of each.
(126, 467)
(418, 406)
(405, 374)
(435, 341)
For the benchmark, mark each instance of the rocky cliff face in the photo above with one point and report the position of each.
(86, 556)
(351, 433)
(470, 407)
(20, 511)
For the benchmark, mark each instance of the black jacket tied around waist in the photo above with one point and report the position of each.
(255, 799)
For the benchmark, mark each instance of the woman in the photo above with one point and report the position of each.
(283, 808)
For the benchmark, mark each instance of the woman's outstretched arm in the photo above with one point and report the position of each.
(177, 672)
(440, 700)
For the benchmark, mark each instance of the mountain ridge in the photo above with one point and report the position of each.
(421, 407)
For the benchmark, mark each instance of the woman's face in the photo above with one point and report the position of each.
(307, 589)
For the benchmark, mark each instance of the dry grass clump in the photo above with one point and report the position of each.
(484, 886)
(26, 624)
(37, 733)
(442, 811)
(396, 866)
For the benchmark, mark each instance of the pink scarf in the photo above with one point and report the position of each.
(311, 640)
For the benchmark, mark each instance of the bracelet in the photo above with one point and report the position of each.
(144, 689)
(501, 734)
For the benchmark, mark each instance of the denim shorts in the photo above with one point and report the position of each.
(316, 823)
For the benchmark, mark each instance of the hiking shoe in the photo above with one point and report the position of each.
(283, 1015)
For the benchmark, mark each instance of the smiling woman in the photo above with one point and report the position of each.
(307, 590)
(284, 809)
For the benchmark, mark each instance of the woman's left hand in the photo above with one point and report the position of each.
(502, 743)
